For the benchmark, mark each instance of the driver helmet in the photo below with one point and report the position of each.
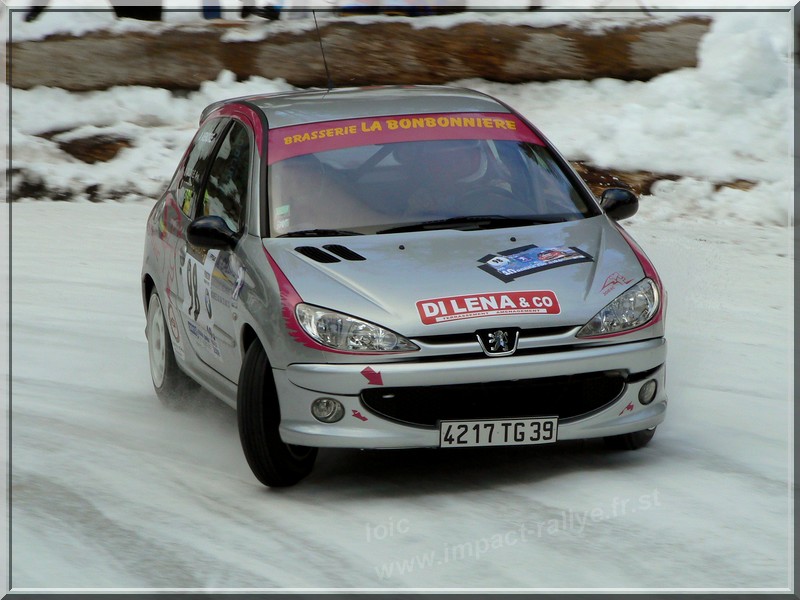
(455, 161)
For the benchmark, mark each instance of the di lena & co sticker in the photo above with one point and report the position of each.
(517, 262)
(472, 306)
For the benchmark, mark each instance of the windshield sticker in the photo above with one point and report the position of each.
(452, 308)
(517, 262)
(308, 138)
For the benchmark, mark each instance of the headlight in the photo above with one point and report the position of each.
(343, 332)
(632, 308)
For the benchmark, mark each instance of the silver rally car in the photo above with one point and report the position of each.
(398, 267)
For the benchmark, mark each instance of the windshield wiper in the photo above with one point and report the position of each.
(319, 233)
(473, 222)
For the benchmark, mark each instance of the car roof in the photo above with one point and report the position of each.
(313, 106)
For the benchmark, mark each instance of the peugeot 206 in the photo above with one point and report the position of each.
(398, 267)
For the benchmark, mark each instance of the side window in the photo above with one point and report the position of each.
(226, 189)
(197, 162)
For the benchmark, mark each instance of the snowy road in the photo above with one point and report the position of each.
(110, 490)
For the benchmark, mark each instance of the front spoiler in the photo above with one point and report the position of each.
(300, 384)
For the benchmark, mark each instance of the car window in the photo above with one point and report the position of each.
(197, 162)
(378, 174)
(369, 188)
(227, 185)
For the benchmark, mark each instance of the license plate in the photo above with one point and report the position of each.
(502, 432)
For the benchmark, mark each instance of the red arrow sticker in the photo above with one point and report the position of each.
(374, 377)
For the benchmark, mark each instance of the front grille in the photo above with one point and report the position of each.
(566, 397)
(461, 338)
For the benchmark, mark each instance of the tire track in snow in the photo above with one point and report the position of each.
(156, 563)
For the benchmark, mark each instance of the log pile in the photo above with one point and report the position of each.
(381, 52)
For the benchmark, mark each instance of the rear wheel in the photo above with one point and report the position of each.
(171, 384)
(630, 441)
(273, 462)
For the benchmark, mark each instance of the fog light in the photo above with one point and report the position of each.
(327, 410)
(647, 392)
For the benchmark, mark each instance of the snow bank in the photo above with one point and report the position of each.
(159, 125)
(728, 119)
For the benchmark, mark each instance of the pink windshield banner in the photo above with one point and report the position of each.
(308, 138)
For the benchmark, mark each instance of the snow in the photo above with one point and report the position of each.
(111, 490)
(728, 119)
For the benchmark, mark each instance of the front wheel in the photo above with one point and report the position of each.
(171, 384)
(273, 462)
(630, 441)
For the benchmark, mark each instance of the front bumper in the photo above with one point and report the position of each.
(300, 384)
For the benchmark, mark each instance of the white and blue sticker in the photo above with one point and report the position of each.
(205, 337)
(197, 300)
(508, 265)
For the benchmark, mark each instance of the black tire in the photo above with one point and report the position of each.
(273, 462)
(172, 385)
(630, 441)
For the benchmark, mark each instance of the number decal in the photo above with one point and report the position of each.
(460, 439)
(195, 297)
(189, 285)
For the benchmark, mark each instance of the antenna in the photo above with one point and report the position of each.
(324, 60)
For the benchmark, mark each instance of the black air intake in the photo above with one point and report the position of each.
(343, 252)
(316, 254)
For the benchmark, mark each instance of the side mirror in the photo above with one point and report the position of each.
(619, 203)
(211, 232)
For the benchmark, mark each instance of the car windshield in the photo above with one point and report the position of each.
(416, 184)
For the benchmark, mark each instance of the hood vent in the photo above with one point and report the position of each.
(343, 252)
(319, 255)
(316, 254)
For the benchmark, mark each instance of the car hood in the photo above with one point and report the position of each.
(452, 281)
